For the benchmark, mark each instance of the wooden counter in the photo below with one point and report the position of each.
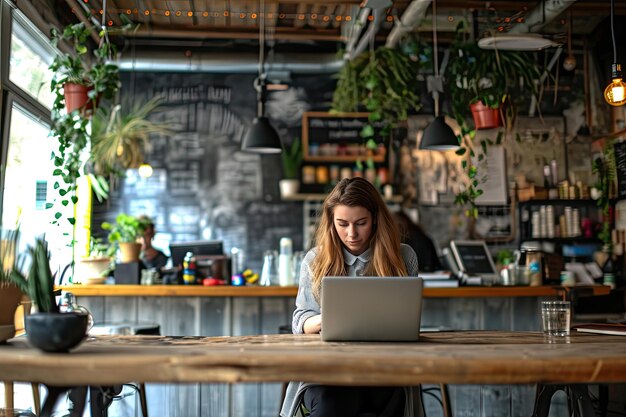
(275, 291)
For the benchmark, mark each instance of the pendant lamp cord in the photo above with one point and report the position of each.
(613, 32)
(436, 56)
(260, 82)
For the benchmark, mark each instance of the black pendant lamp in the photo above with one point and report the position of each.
(438, 135)
(261, 137)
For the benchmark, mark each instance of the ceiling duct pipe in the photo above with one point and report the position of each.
(356, 29)
(241, 63)
(368, 36)
(544, 13)
(411, 18)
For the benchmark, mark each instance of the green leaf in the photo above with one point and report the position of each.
(57, 215)
(74, 199)
(71, 220)
(49, 205)
(461, 151)
(367, 131)
(65, 202)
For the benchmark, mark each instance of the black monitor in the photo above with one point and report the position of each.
(197, 247)
(473, 258)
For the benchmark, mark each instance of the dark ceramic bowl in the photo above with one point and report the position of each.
(56, 332)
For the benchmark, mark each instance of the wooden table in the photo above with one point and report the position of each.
(476, 357)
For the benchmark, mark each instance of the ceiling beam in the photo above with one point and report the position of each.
(236, 33)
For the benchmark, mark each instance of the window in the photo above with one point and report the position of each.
(31, 54)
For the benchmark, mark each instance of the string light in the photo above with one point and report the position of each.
(328, 18)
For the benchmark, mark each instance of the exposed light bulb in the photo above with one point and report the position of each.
(614, 94)
(569, 63)
(145, 170)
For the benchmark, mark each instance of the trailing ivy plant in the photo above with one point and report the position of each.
(72, 130)
(383, 82)
(500, 79)
(604, 167)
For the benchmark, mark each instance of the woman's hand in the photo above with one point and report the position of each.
(313, 324)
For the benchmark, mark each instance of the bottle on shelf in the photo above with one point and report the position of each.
(608, 269)
(189, 269)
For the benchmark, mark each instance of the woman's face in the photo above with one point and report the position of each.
(354, 227)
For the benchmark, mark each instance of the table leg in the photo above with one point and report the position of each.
(8, 394)
(445, 400)
(36, 399)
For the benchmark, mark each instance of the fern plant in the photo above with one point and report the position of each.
(604, 167)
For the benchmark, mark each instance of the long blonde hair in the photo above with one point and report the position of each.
(386, 258)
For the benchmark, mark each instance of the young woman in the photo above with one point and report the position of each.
(357, 236)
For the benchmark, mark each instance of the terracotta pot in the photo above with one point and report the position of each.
(10, 296)
(76, 97)
(484, 116)
(130, 251)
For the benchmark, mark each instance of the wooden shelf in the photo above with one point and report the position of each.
(275, 291)
(346, 158)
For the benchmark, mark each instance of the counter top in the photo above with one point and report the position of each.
(275, 291)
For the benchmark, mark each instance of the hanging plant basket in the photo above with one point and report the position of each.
(77, 97)
(485, 117)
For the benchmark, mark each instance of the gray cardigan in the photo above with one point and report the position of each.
(307, 306)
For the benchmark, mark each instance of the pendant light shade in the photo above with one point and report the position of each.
(439, 136)
(261, 137)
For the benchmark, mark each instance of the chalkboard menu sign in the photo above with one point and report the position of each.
(336, 137)
(620, 165)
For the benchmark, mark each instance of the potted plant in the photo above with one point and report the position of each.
(119, 138)
(48, 329)
(70, 127)
(485, 86)
(383, 81)
(123, 234)
(10, 293)
(291, 159)
(95, 267)
(83, 83)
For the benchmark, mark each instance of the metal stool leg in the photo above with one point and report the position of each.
(36, 398)
(445, 400)
(581, 401)
(543, 398)
(142, 400)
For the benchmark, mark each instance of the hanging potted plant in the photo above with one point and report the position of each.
(291, 158)
(384, 82)
(121, 134)
(71, 127)
(82, 82)
(485, 86)
(123, 234)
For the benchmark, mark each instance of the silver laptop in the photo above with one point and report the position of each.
(386, 309)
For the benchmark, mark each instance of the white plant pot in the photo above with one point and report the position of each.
(91, 268)
(288, 187)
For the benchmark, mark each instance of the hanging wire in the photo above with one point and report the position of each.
(435, 58)
(613, 32)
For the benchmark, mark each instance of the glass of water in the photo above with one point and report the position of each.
(555, 317)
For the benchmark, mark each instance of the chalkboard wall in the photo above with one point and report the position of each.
(203, 186)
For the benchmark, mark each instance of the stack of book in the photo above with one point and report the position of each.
(439, 279)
